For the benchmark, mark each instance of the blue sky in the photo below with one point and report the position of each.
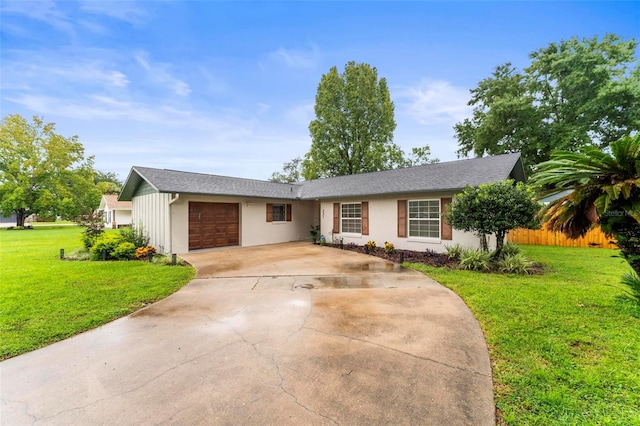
(228, 87)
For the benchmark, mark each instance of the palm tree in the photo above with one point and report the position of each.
(605, 191)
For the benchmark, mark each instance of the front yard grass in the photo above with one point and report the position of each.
(564, 346)
(44, 299)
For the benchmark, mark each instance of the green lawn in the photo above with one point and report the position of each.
(44, 299)
(564, 346)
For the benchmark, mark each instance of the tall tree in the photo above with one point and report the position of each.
(574, 93)
(605, 192)
(43, 172)
(291, 172)
(107, 182)
(353, 129)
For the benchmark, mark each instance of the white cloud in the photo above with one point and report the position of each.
(39, 70)
(301, 114)
(42, 10)
(127, 11)
(434, 101)
(296, 58)
(160, 73)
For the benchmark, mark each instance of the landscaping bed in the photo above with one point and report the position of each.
(430, 258)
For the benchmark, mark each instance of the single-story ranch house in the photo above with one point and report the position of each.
(183, 211)
(116, 214)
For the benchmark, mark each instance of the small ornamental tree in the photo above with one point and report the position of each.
(493, 208)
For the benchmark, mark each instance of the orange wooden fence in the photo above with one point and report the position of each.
(542, 237)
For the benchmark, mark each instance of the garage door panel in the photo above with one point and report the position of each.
(213, 225)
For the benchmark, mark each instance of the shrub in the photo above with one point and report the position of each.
(135, 236)
(371, 245)
(514, 264)
(124, 251)
(145, 252)
(93, 225)
(509, 249)
(388, 247)
(455, 251)
(631, 280)
(108, 243)
(475, 260)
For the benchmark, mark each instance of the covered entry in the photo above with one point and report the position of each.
(213, 225)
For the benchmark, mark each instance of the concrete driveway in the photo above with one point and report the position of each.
(288, 334)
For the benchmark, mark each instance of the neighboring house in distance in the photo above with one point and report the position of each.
(116, 213)
(8, 220)
(183, 211)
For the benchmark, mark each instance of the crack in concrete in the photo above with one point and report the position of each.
(295, 398)
(276, 366)
(26, 408)
(256, 284)
(68, 410)
(444, 364)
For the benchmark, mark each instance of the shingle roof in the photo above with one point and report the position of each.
(199, 183)
(446, 176)
(450, 175)
(111, 201)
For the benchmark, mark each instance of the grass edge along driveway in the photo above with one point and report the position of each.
(44, 299)
(564, 346)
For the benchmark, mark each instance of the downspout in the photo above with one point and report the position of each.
(171, 201)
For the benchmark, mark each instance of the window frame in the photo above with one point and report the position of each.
(437, 219)
(350, 218)
(284, 212)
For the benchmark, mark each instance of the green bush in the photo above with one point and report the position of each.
(135, 236)
(509, 249)
(107, 242)
(631, 280)
(475, 260)
(124, 251)
(455, 251)
(514, 264)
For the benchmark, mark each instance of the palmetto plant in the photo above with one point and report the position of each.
(605, 191)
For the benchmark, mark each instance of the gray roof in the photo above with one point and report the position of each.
(439, 177)
(446, 176)
(199, 183)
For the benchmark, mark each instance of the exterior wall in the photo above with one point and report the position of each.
(115, 218)
(122, 217)
(254, 228)
(383, 225)
(151, 211)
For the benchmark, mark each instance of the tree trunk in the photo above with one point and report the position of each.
(627, 234)
(20, 217)
(499, 243)
(484, 246)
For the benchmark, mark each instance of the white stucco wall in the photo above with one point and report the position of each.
(254, 228)
(383, 225)
(122, 217)
(151, 212)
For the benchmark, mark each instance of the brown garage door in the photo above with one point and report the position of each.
(213, 225)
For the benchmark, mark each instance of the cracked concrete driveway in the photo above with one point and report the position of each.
(282, 334)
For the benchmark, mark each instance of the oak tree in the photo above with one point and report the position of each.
(42, 172)
(574, 93)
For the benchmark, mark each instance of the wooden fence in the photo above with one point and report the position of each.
(542, 237)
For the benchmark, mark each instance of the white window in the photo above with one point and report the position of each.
(278, 212)
(424, 218)
(351, 218)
